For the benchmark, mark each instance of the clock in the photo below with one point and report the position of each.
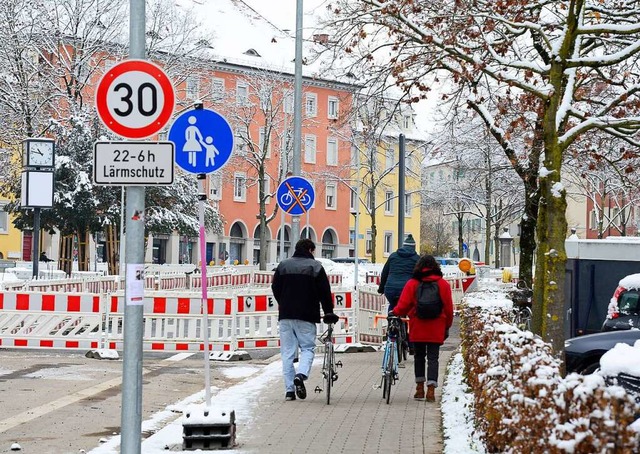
(38, 153)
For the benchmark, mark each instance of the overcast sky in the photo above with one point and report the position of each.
(282, 13)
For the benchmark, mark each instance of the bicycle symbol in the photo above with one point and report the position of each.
(292, 197)
(301, 195)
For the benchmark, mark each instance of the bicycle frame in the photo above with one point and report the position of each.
(390, 362)
(329, 364)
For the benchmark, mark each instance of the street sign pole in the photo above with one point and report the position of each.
(202, 196)
(131, 415)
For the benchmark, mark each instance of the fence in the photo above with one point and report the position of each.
(239, 316)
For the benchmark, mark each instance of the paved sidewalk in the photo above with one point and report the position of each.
(358, 419)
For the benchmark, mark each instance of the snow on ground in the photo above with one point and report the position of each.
(239, 371)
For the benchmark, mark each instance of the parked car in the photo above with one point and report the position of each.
(350, 260)
(583, 353)
(624, 308)
(621, 366)
(448, 260)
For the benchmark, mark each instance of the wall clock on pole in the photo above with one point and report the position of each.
(38, 153)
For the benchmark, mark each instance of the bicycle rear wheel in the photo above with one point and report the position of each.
(328, 370)
(388, 373)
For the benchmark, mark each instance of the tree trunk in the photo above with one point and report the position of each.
(113, 249)
(549, 299)
(528, 233)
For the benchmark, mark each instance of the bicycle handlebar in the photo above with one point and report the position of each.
(386, 317)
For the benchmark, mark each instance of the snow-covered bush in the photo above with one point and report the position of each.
(523, 404)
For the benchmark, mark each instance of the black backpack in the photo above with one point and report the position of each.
(429, 305)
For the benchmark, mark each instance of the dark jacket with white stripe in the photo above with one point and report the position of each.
(299, 284)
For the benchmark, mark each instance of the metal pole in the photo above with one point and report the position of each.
(281, 256)
(297, 116)
(205, 307)
(131, 414)
(122, 241)
(36, 243)
(401, 190)
(357, 222)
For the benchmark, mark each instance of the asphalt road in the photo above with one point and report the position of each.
(62, 402)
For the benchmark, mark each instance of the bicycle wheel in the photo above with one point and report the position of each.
(524, 318)
(328, 370)
(388, 372)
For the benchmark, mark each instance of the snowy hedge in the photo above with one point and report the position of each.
(522, 403)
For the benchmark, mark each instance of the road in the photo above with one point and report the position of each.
(62, 402)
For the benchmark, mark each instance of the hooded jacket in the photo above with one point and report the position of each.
(300, 285)
(396, 272)
(426, 330)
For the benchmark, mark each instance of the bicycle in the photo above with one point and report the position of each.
(521, 313)
(390, 362)
(329, 363)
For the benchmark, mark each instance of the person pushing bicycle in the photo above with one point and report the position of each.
(300, 286)
(426, 334)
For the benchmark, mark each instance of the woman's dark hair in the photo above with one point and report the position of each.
(429, 262)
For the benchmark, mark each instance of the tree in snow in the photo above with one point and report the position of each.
(260, 112)
(571, 63)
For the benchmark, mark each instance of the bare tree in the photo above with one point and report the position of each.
(570, 64)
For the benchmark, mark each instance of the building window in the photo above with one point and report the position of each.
(331, 196)
(370, 199)
(261, 143)
(332, 108)
(217, 89)
(407, 204)
(388, 243)
(390, 158)
(311, 104)
(353, 200)
(593, 224)
(4, 219)
(240, 187)
(332, 151)
(352, 237)
(215, 186)
(310, 148)
(267, 189)
(388, 202)
(193, 88)
(406, 121)
(288, 102)
(368, 243)
(242, 94)
(354, 155)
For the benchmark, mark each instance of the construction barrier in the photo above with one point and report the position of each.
(240, 317)
(50, 320)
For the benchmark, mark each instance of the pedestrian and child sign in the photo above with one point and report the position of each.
(203, 139)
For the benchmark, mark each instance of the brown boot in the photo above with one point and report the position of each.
(431, 393)
(419, 391)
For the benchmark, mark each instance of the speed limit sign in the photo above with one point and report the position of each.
(135, 99)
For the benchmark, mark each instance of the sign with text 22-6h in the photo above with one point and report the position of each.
(133, 163)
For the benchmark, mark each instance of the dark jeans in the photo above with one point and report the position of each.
(432, 352)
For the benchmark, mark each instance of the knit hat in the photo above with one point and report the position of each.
(409, 241)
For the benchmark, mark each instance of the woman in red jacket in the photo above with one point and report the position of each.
(427, 335)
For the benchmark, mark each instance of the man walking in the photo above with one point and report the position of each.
(300, 285)
(398, 270)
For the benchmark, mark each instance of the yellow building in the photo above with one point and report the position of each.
(378, 189)
(10, 237)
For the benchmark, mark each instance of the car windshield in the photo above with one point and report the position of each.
(628, 302)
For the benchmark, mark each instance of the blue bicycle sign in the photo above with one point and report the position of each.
(295, 195)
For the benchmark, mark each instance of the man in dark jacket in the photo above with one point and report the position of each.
(299, 284)
(398, 270)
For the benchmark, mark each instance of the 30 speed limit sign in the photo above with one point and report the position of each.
(135, 99)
